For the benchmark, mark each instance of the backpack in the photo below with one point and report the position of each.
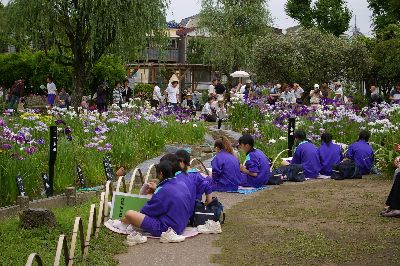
(276, 177)
(202, 213)
(291, 173)
(346, 170)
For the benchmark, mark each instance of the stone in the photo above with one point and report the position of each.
(34, 218)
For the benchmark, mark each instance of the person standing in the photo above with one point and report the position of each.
(17, 90)
(315, 95)
(63, 99)
(172, 92)
(376, 98)
(395, 94)
(117, 94)
(220, 90)
(211, 88)
(126, 92)
(157, 98)
(101, 97)
(298, 93)
(51, 92)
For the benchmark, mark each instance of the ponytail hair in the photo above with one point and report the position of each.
(224, 144)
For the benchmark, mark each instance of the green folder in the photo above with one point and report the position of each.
(123, 202)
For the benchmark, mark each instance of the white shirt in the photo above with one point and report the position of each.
(206, 109)
(211, 89)
(172, 94)
(157, 93)
(298, 92)
(51, 88)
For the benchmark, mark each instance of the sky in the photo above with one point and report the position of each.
(180, 9)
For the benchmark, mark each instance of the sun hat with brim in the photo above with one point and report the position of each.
(316, 86)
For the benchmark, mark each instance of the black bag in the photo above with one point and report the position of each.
(346, 170)
(276, 177)
(294, 173)
(202, 213)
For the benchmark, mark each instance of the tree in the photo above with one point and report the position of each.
(384, 12)
(83, 31)
(332, 16)
(3, 38)
(310, 57)
(234, 27)
(301, 11)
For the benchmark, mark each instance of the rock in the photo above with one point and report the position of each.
(34, 218)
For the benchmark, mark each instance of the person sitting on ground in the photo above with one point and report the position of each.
(201, 184)
(167, 213)
(256, 169)
(330, 154)
(306, 154)
(361, 153)
(393, 201)
(226, 174)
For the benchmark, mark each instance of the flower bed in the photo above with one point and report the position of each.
(268, 124)
(130, 137)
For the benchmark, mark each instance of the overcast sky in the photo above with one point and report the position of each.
(180, 9)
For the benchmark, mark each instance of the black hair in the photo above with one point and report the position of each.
(175, 82)
(126, 80)
(50, 78)
(210, 98)
(327, 138)
(117, 82)
(165, 168)
(364, 135)
(183, 156)
(300, 135)
(247, 139)
(173, 160)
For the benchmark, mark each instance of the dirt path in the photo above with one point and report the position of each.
(322, 222)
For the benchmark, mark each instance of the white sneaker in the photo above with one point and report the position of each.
(135, 238)
(124, 228)
(170, 236)
(210, 227)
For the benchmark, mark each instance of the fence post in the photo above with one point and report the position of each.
(23, 202)
(70, 192)
(291, 129)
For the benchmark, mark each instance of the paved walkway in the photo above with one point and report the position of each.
(194, 251)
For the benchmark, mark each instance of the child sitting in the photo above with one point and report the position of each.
(166, 214)
(201, 184)
(256, 169)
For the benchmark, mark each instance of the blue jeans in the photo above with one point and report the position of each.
(14, 100)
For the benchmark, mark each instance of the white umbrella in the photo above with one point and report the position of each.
(240, 74)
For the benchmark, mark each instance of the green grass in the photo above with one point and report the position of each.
(312, 223)
(18, 243)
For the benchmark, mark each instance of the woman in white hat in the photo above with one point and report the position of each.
(315, 95)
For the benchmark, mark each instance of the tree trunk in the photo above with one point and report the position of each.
(78, 83)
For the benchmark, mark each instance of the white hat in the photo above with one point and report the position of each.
(248, 81)
(316, 86)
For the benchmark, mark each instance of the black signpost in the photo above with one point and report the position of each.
(52, 157)
(81, 178)
(46, 184)
(291, 129)
(108, 168)
(20, 185)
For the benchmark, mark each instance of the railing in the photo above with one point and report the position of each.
(94, 223)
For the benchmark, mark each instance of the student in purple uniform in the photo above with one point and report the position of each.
(202, 185)
(256, 169)
(306, 154)
(226, 174)
(361, 153)
(330, 154)
(167, 213)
